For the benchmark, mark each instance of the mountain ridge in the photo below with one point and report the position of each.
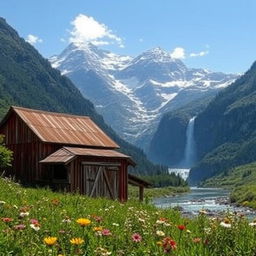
(138, 90)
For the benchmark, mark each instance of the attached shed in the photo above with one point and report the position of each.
(66, 152)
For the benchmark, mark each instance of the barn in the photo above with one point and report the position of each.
(66, 152)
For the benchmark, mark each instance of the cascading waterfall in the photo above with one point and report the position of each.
(189, 153)
(190, 148)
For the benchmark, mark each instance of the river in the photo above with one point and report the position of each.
(213, 200)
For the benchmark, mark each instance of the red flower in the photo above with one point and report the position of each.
(169, 244)
(34, 221)
(181, 227)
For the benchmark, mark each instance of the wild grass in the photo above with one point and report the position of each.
(41, 222)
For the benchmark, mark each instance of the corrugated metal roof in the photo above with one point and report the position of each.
(65, 128)
(66, 154)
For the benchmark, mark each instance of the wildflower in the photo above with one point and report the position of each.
(83, 222)
(159, 243)
(160, 233)
(51, 240)
(66, 220)
(35, 226)
(188, 231)
(226, 223)
(253, 224)
(181, 227)
(169, 244)
(97, 229)
(115, 224)
(55, 201)
(136, 238)
(102, 251)
(196, 240)
(2, 202)
(34, 221)
(7, 220)
(106, 232)
(97, 218)
(19, 227)
(24, 214)
(77, 241)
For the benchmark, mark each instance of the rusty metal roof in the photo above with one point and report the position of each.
(64, 128)
(67, 154)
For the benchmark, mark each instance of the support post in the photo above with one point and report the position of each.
(141, 193)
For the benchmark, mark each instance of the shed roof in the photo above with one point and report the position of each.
(64, 128)
(136, 181)
(67, 154)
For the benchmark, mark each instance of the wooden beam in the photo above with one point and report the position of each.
(101, 164)
(141, 193)
(108, 184)
(96, 181)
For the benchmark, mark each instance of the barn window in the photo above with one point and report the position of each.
(60, 172)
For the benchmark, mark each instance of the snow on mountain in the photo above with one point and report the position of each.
(133, 93)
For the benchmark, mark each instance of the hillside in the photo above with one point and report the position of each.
(168, 143)
(41, 222)
(225, 131)
(28, 80)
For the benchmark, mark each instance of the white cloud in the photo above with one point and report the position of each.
(87, 29)
(178, 53)
(63, 40)
(198, 54)
(32, 39)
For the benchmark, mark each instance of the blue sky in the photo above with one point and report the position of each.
(222, 32)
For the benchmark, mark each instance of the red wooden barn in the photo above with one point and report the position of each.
(66, 152)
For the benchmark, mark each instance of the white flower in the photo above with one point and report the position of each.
(252, 224)
(66, 220)
(160, 233)
(115, 224)
(160, 222)
(36, 227)
(225, 225)
(2, 202)
(24, 214)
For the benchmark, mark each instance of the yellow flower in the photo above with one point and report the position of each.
(83, 222)
(97, 229)
(77, 241)
(159, 243)
(50, 240)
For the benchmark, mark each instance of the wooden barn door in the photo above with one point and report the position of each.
(101, 180)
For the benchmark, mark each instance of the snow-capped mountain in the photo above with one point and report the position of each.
(133, 93)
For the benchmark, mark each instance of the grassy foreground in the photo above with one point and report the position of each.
(40, 222)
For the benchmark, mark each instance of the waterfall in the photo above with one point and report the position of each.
(190, 148)
(189, 153)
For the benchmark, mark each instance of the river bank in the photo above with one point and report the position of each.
(212, 201)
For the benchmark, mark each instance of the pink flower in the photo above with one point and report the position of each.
(34, 221)
(106, 232)
(136, 238)
(19, 227)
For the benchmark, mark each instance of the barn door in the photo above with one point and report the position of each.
(100, 181)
